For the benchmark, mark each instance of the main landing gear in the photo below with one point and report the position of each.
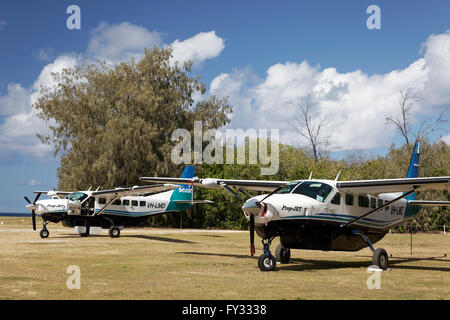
(379, 256)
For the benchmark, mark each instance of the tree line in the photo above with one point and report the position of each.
(111, 124)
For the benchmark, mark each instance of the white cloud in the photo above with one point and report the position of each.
(359, 102)
(2, 24)
(120, 42)
(18, 131)
(114, 43)
(202, 46)
(446, 139)
(15, 101)
(43, 54)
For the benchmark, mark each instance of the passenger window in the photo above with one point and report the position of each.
(117, 202)
(126, 202)
(134, 203)
(349, 199)
(387, 207)
(142, 203)
(373, 203)
(336, 199)
(363, 201)
(101, 200)
(380, 203)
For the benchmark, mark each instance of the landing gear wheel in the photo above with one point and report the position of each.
(380, 258)
(84, 234)
(44, 233)
(114, 232)
(266, 263)
(282, 255)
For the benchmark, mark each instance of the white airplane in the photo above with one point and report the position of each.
(90, 211)
(326, 214)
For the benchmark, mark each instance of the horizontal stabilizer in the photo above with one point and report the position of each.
(193, 201)
(425, 203)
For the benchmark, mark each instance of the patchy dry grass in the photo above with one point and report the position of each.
(200, 264)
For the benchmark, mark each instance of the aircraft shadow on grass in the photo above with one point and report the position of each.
(145, 237)
(395, 263)
(299, 264)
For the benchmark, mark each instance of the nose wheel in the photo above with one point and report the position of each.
(44, 233)
(266, 261)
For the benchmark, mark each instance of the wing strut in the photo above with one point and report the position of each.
(379, 208)
(106, 205)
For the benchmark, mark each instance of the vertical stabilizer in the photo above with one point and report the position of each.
(413, 170)
(184, 192)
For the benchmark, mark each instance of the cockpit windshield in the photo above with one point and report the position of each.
(287, 189)
(317, 190)
(77, 196)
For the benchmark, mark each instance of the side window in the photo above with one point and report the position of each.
(117, 202)
(363, 201)
(336, 199)
(134, 203)
(142, 203)
(101, 200)
(386, 208)
(380, 203)
(125, 202)
(373, 203)
(349, 199)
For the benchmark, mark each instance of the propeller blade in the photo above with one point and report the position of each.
(27, 200)
(273, 192)
(33, 219)
(252, 235)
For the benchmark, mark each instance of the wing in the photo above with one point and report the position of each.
(136, 190)
(394, 185)
(429, 203)
(258, 185)
(54, 193)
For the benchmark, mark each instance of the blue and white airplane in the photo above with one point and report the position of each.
(90, 211)
(326, 214)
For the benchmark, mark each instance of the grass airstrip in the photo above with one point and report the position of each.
(152, 263)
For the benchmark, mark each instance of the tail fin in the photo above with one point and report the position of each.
(413, 170)
(185, 191)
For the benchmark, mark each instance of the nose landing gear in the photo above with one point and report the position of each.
(267, 261)
(44, 233)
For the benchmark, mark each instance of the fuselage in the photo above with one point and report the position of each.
(126, 209)
(310, 207)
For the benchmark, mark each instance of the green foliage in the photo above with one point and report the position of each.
(112, 124)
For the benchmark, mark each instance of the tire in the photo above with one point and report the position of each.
(84, 234)
(380, 258)
(282, 255)
(114, 232)
(44, 233)
(265, 263)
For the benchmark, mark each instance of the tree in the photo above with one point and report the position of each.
(113, 124)
(309, 124)
(408, 99)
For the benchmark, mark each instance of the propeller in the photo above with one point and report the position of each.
(33, 213)
(252, 218)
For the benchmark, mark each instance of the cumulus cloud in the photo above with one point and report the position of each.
(359, 102)
(121, 42)
(19, 128)
(111, 42)
(446, 139)
(202, 46)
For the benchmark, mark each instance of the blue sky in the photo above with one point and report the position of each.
(255, 46)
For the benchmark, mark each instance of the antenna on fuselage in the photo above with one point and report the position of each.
(339, 173)
(310, 176)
